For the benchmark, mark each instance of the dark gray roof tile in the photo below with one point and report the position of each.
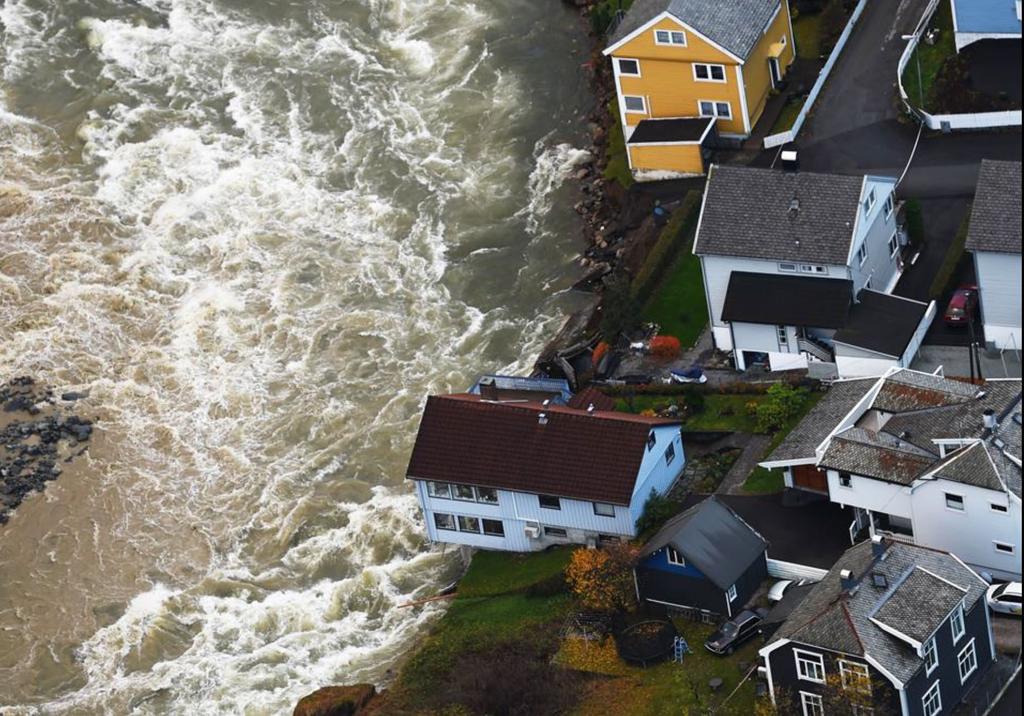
(995, 217)
(821, 420)
(918, 604)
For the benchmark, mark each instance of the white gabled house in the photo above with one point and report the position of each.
(514, 474)
(920, 457)
(799, 268)
(994, 239)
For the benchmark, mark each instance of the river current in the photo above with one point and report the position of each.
(259, 233)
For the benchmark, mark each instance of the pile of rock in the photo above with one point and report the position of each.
(35, 436)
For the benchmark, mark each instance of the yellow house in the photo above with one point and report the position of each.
(690, 59)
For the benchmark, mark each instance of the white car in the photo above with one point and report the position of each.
(778, 590)
(1004, 598)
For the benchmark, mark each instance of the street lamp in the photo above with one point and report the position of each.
(917, 60)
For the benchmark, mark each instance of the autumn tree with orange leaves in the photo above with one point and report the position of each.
(602, 579)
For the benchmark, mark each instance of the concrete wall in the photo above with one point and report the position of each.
(999, 280)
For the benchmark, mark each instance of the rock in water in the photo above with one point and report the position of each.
(336, 701)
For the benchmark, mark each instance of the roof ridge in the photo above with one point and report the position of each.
(534, 407)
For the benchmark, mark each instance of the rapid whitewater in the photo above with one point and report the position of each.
(257, 233)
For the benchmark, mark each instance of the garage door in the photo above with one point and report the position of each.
(808, 477)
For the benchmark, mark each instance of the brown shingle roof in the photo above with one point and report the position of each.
(575, 454)
(592, 396)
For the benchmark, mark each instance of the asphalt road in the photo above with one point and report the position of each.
(1010, 704)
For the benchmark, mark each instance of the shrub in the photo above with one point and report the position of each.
(616, 166)
(944, 276)
(784, 402)
(665, 347)
(620, 312)
(602, 579)
(915, 223)
(658, 509)
(670, 243)
(603, 12)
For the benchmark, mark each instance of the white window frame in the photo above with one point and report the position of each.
(731, 594)
(862, 253)
(675, 557)
(710, 78)
(1004, 547)
(782, 333)
(860, 679)
(963, 502)
(453, 528)
(627, 109)
(812, 704)
(670, 454)
(618, 67)
(553, 535)
(956, 623)
(894, 244)
(788, 267)
(433, 484)
(890, 206)
(814, 659)
(931, 702)
(930, 654)
(671, 38)
(972, 655)
(1001, 509)
(714, 108)
(869, 201)
(483, 526)
(849, 480)
(479, 524)
(609, 509)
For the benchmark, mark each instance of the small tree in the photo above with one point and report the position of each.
(665, 347)
(783, 402)
(620, 312)
(602, 579)
(658, 509)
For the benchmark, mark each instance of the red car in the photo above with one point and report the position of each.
(962, 306)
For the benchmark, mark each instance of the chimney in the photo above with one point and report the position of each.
(991, 422)
(878, 547)
(489, 388)
(846, 581)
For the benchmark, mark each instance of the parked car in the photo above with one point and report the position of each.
(735, 632)
(1004, 598)
(779, 589)
(962, 306)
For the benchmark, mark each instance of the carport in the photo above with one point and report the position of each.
(671, 148)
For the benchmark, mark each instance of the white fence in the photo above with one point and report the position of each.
(790, 570)
(775, 140)
(947, 122)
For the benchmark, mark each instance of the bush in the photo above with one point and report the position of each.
(603, 12)
(784, 402)
(602, 579)
(671, 241)
(915, 223)
(665, 347)
(944, 276)
(620, 311)
(658, 509)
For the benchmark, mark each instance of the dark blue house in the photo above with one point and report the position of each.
(706, 558)
(893, 628)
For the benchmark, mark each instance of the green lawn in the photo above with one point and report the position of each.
(807, 33)
(929, 59)
(784, 122)
(762, 481)
(493, 573)
(720, 412)
(679, 305)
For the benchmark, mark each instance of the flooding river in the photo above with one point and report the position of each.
(258, 233)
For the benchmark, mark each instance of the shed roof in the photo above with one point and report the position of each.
(882, 323)
(995, 217)
(987, 16)
(782, 300)
(677, 129)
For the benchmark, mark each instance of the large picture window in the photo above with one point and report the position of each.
(444, 522)
(810, 666)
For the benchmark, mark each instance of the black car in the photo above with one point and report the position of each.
(728, 637)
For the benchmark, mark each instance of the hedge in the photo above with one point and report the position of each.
(671, 241)
(915, 223)
(944, 276)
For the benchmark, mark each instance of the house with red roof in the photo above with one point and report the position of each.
(514, 474)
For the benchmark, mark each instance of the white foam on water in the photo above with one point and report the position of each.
(257, 304)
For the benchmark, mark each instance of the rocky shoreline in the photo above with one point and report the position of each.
(38, 432)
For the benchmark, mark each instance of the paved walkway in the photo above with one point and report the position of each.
(754, 449)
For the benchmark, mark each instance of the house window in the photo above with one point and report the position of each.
(845, 479)
(854, 676)
(439, 489)
(1003, 547)
(789, 268)
(629, 68)
(862, 253)
(669, 37)
(469, 524)
(602, 509)
(674, 557)
(931, 702)
(444, 522)
(634, 104)
(558, 532)
(812, 704)
(890, 205)
(495, 528)
(708, 73)
(549, 502)
(670, 454)
(858, 710)
(810, 666)
(931, 656)
(487, 494)
(968, 661)
(783, 334)
(652, 440)
(955, 502)
(869, 201)
(956, 623)
(731, 594)
(709, 108)
(464, 492)
(894, 245)
(996, 507)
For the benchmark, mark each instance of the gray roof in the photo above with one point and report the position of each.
(831, 618)
(969, 466)
(736, 25)
(995, 218)
(714, 539)
(1006, 442)
(918, 604)
(910, 390)
(751, 213)
(878, 455)
(820, 421)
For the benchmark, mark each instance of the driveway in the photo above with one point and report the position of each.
(1009, 704)
(856, 128)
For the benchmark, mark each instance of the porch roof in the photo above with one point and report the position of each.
(882, 323)
(787, 300)
(675, 129)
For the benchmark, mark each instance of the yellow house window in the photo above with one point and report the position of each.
(708, 73)
(635, 104)
(710, 108)
(628, 68)
(670, 37)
